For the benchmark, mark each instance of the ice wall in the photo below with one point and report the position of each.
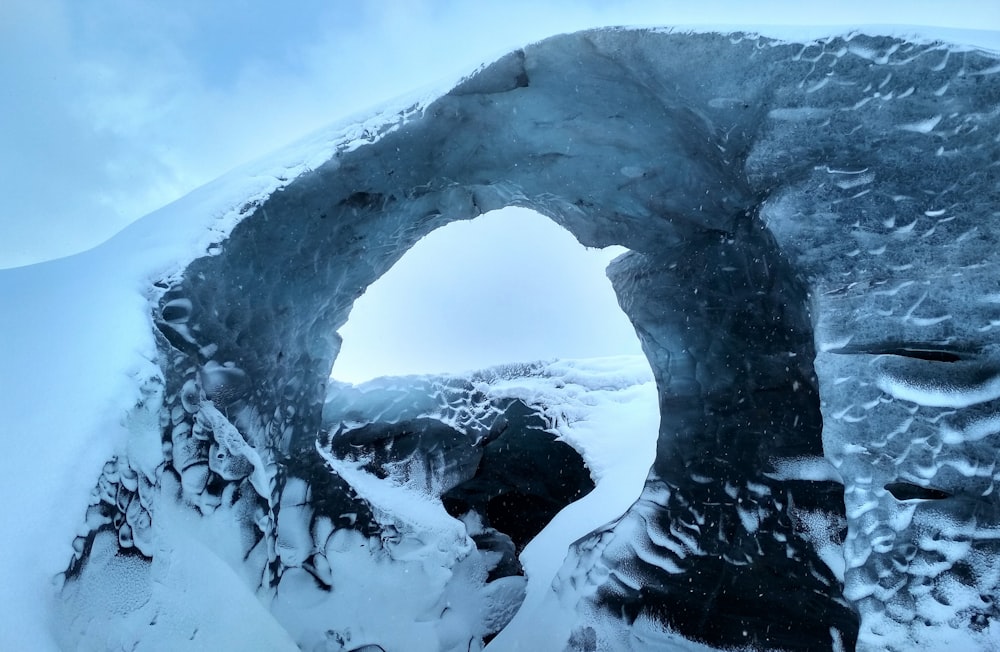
(832, 202)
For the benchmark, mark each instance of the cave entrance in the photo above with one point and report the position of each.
(508, 286)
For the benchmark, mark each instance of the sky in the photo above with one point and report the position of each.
(113, 108)
(512, 286)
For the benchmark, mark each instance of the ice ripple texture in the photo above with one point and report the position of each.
(813, 277)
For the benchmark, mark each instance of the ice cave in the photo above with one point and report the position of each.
(812, 272)
(508, 286)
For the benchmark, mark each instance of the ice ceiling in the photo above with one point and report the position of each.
(814, 280)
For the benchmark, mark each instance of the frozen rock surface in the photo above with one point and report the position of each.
(814, 279)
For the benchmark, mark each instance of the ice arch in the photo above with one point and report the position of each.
(785, 204)
(509, 286)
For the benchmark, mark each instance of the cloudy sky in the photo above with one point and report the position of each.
(509, 286)
(112, 108)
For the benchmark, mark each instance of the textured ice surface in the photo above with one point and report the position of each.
(813, 273)
(404, 534)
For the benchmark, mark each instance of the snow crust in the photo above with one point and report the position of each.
(606, 408)
(942, 392)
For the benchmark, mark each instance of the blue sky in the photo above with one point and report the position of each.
(113, 108)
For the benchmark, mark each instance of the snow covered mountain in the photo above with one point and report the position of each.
(812, 274)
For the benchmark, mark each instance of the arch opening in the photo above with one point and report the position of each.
(507, 286)
(511, 317)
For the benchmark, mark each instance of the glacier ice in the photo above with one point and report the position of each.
(813, 278)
